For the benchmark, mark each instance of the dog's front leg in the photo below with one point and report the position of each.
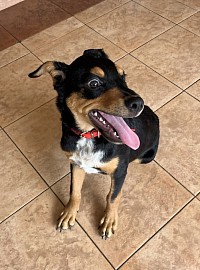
(68, 216)
(109, 222)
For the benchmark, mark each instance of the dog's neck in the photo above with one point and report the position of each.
(88, 134)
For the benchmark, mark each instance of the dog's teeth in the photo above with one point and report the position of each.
(104, 122)
(101, 119)
(95, 114)
(116, 135)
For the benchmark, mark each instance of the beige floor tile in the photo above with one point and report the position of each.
(153, 88)
(170, 9)
(72, 45)
(29, 241)
(191, 3)
(179, 151)
(176, 246)
(174, 54)
(192, 24)
(98, 10)
(50, 34)
(38, 136)
(19, 182)
(20, 94)
(12, 53)
(8, 3)
(127, 26)
(150, 198)
(195, 90)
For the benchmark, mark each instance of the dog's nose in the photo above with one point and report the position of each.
(135, 104)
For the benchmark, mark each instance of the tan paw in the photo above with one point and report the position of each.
(67, 217)
(108, 224)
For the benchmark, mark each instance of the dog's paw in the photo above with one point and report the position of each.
(108, 224)
(67, 217)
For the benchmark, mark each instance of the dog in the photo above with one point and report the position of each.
(105, 126)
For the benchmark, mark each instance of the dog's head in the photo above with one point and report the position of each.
(93, 90)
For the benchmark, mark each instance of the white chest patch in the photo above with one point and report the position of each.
(86, 158)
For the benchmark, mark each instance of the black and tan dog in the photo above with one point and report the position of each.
(105, 125)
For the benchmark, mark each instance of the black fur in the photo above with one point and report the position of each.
(75, 80)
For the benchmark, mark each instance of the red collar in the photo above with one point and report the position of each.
(88, 134)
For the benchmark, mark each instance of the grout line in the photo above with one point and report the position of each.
(30, 201)
(56, 38)
(60, 179)
(187, 5)
(153, 38)
(189, 16)
(191, 84)
(168, 101)
(188, 30)
(29, 113)
(47, 188)
(198, 194)
(17, 40)
(33, 199)
(26, 158)
(120, 5)
(155, 12)
(16, 58)
(35, 169)
(138, 46)
(192, 96)
(79, 224)
(55, 4)
(24, 205)
(108, 40)
(153, 235)
(84, 25)
(95, 244)
(174, 177)
(176, 23)
(155, 70)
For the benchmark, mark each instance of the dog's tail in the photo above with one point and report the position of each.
(55, 69)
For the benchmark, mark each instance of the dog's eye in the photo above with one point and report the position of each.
(94, 83)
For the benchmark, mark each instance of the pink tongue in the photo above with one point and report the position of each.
(128, 136)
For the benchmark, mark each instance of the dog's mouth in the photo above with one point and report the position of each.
(114, 129)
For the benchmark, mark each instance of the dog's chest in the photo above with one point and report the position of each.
(85, 156)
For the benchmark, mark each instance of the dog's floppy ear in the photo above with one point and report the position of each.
(57, 70)
(96, 53)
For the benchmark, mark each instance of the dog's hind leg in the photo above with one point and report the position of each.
(68, 216)
(109, 222)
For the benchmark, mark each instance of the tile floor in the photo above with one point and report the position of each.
(158, 45)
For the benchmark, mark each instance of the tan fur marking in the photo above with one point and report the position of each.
(138, 161)
(119, 70)
(109, 222)
(110, 166)
(97, 71)
(68, 154)
(68, 216)
(76, 105)
(50, 68)
(111, 101)
(78, 176)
